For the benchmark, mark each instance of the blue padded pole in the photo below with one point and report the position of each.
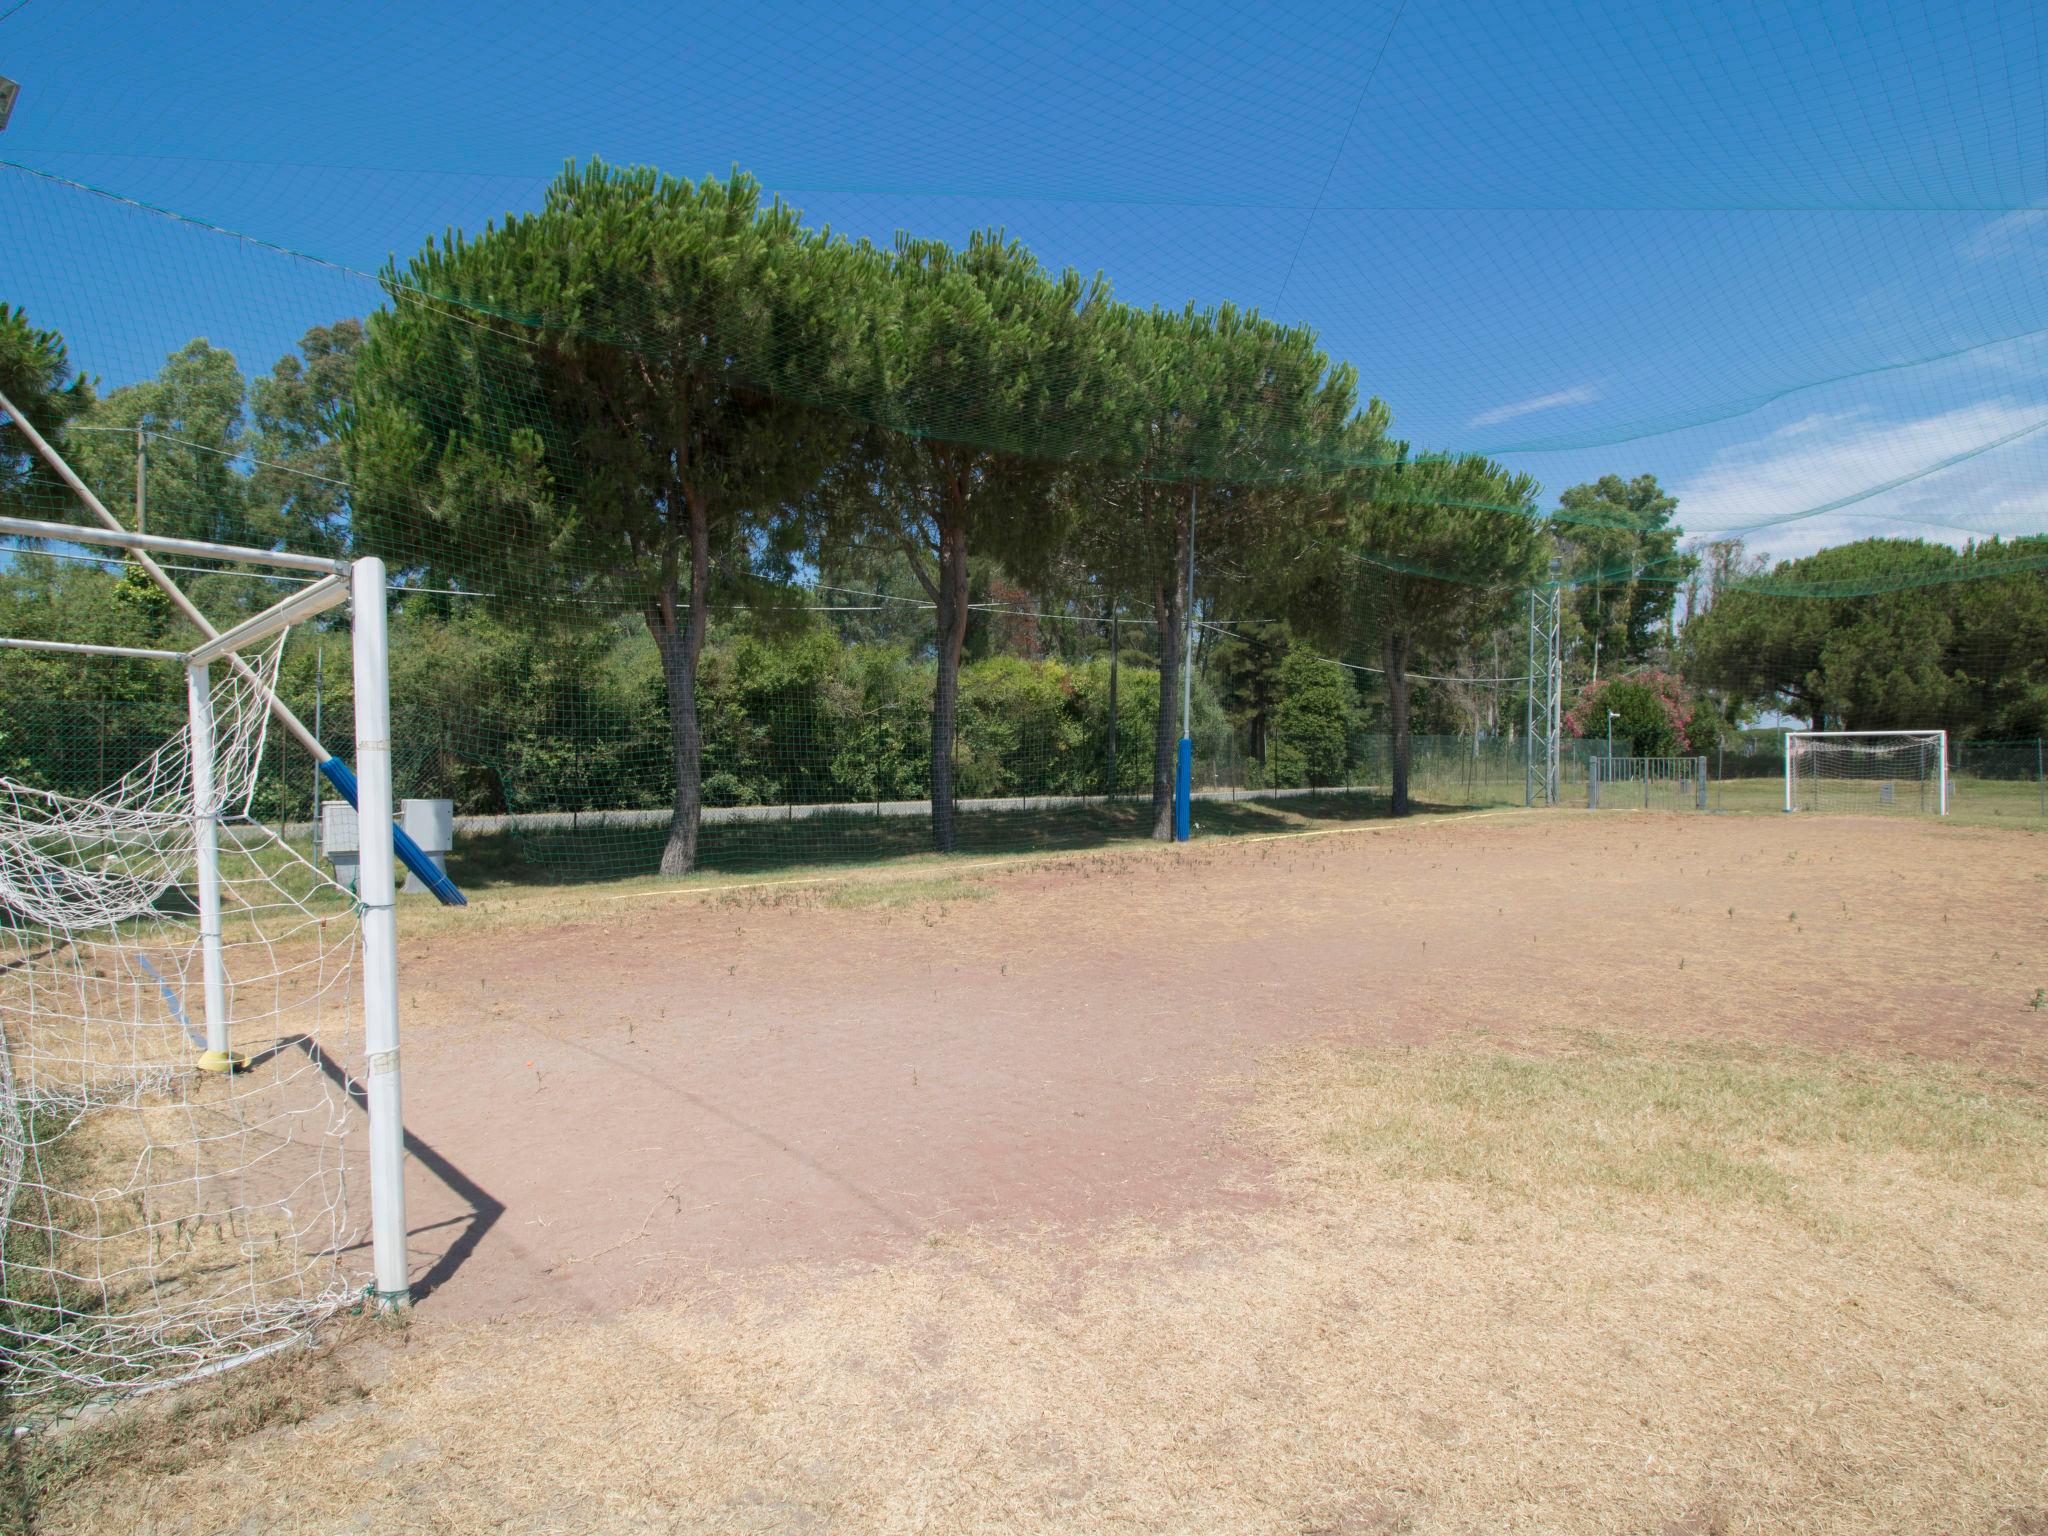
(1184, 792)
(410, 854)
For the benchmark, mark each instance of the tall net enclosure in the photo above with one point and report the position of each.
(158, 1219)
(801, 487)
(1868, 772)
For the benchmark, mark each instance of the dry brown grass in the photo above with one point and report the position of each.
(1596, 1286)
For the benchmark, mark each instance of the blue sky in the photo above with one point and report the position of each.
(1782, 261)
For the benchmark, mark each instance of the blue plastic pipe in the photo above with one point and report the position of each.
(410, 854)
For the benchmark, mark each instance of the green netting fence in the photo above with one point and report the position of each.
(835, 778)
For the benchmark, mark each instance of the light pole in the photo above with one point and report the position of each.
(1611, 714)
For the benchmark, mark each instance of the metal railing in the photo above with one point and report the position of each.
(1646, 783)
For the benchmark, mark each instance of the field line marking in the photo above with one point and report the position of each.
(1015, 859)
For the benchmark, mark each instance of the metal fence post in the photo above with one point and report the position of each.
(1592, 783)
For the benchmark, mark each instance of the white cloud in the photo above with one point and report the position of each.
(2006, 234)
(1582, 395)
(1885, 471)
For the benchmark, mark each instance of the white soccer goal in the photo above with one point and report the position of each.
(198, 1029)
(1884, 772)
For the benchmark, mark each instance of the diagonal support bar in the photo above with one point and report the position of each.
(306, 603)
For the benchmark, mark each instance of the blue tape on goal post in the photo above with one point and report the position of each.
(410, 854)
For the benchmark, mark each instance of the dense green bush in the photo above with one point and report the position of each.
(1311, 722)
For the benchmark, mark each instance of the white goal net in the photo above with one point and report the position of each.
(1870, 772)
(157, 1219)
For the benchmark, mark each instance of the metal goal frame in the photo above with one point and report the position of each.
(1938, 739)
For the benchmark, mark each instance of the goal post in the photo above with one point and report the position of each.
(176, 983)
(1872, 772)
(377, 900)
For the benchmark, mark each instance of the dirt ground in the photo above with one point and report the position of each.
(1539, 1172)
(608, 1110)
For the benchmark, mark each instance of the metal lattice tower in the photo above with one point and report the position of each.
(1546, 690)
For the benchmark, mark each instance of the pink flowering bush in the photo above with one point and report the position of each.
(1655, 714)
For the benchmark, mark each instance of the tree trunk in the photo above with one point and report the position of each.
(1394, 650)
(680, 640)
(952, 614)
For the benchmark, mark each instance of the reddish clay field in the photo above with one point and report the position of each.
(1500, 1172)
(659, 1086)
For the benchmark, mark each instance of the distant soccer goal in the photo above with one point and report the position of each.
(1867, 772)
(200, 1135)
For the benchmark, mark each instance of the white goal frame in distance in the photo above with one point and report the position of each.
(1939, 738)
(361, 584)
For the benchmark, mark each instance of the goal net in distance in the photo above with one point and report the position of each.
(1872, 772)
(199, 1138)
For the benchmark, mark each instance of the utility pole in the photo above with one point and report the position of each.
(141, 481)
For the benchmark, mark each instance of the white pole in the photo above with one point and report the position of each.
(377, 895)
(78, 648)
(1944, 773)
(206, 549)
(1788, 770)
(141, 481)
(206, 858)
